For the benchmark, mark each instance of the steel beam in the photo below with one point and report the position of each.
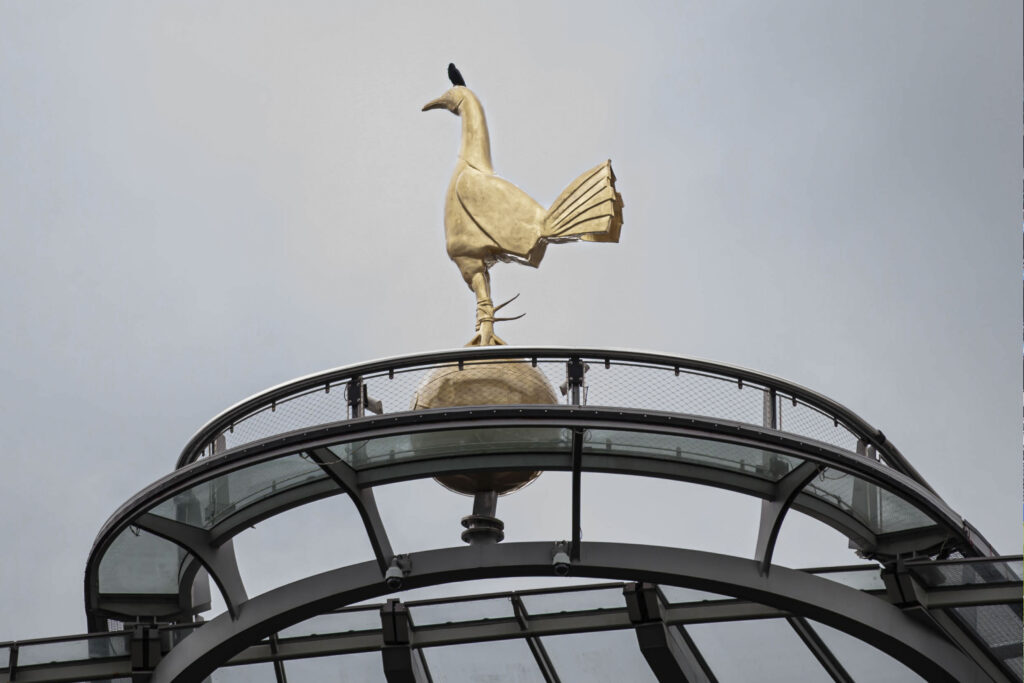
(672, 658)
(402, 664)
(366, 505)
(820, 651)
(773, 510)
(577, 467)
(219, 561)
(861, 615)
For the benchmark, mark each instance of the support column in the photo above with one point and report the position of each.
(366, 505)
(672, 656)
(219, 561)
(145, 652)
(401, 663)
(577, 484)
(773, 511)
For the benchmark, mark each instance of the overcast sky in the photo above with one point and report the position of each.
(199, 200)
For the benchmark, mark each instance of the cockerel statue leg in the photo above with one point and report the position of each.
(480, 283)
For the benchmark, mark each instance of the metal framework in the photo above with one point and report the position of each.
(741, 431)
(354, 630)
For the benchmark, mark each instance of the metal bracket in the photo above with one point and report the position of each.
(359, 401)
(145, 652)
(773, 512)
(642, 602)
(401, 663)
(575, 385)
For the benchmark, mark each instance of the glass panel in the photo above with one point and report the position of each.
(966, 573)
(499, 660)
(862, 661)
(73, 650)
(169, 637)
(598, 657)
(880, 510)
(245, 673)
(139, 562)
(365, 667)
(754, 461)
(335, 622)
(766, 650)
(867, 579)
(454, 442)
(675, 595)
(574, 601)
(5, 657)
(465, 610)
(207, 503)
(999, 627)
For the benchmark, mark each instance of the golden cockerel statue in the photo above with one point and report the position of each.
(488, 219)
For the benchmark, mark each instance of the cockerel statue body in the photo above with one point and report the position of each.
(488, 219)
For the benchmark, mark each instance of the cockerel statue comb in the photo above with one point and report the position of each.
(488, 219)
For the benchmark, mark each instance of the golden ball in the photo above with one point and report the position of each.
(497, 382)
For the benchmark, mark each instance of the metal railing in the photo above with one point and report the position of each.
(612, 378)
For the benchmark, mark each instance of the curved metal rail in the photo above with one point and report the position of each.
(621, 378)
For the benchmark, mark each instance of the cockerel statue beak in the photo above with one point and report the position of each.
(448, 101)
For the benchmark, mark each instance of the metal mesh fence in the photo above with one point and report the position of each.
(797, 417)
(622, 384)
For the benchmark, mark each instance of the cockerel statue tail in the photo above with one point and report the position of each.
(589, 209)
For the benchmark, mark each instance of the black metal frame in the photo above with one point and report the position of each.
(531, 627)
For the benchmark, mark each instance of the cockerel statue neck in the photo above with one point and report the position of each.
(475, 149)
(488, 219)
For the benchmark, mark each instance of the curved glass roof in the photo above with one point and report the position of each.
(633, 413)
(136, 561)
(212, 501)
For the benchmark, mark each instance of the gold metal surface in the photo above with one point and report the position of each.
(501, 382)
(488, 219)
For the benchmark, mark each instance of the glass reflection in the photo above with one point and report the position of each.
(100, 647)
(753, 461)
(140, 562)
(766, 650)
(210, 502)
(365, 667)
(500, 660)
(453, 442)
(880, 510)
(862, 661)
(599, 657)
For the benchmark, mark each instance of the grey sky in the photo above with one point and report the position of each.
(199, 200)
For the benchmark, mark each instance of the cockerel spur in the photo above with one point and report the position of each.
(488, 219)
